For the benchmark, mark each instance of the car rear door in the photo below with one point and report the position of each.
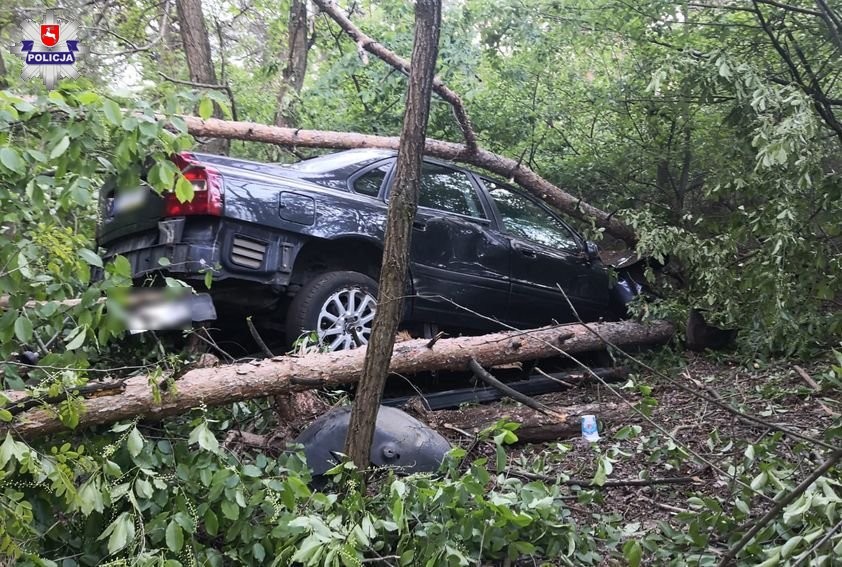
(460, 261)
(546, 254)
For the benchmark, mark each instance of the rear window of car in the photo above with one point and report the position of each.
(449, 190)
(369, 183)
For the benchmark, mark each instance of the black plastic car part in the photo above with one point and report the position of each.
(400, 441)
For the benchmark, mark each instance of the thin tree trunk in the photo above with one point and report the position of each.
(197, 50)
(298, 46)
(4, 83)
(403, 203)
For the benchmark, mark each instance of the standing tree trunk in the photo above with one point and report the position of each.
(292, 76)
(403, 202)
(197, 50)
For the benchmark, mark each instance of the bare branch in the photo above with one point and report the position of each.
(396, 61)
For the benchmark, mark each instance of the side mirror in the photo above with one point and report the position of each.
(591, 250)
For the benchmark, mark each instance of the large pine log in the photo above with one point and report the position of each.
(279, 375)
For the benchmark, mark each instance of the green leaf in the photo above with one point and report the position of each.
(790, 546)
(76, 338)
(252, 471)
(632, 552)
(211, 522)
(5, 415)
(134, 442)
(87, 97)
(203, 436)
(112, 112)
(258, 552)
(230, 510)
(143, 488)
(122, 267)
(23, 329)
(119, 532)
(205, 108)
(183, 190)
(90, 257)
(60, 148)
(174, 537)
(11, 160)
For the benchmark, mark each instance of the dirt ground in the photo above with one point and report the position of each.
(773, 392)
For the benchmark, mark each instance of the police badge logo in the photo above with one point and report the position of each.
(56, 55)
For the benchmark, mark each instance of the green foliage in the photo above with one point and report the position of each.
(56, 151)
(144, 498)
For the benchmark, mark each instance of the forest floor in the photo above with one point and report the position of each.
(679, 423)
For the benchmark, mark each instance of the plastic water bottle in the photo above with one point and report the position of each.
(589, 428)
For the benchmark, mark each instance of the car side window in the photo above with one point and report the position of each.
(523, 217)
(449, 190)
(369, 183)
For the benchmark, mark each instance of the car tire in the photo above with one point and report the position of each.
(339, 306)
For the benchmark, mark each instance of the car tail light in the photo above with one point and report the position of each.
(207, 190)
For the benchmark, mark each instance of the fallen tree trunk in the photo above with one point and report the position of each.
(535, 427)
(282, 374)
(495, 163)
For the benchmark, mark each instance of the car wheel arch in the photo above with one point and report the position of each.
(345, 252)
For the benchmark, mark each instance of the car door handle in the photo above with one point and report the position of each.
(419, 224)
(526, 251)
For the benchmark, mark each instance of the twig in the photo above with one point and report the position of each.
(258, 339)
(553, 378)
(133, 48)
(779, 506)
(816, 388)
(223, 87)
(608, 483)
(667, 507)
(529, 402)
(806, 377)
(435, 339)
(819, 544)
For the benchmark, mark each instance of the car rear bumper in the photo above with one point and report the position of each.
(227, 249)
(194, 259)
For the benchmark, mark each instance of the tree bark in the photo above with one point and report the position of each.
(292, 76)
(403, 203)
(227, 384)
(197, 50)
(495, 163)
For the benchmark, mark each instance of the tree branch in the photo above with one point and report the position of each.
(778, 507)
(529, 402)
(495, 163)
(394, 60)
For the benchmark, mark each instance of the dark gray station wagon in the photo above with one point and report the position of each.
(300, 246)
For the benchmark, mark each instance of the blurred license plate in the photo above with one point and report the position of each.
(128, 201)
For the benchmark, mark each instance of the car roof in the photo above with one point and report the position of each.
(330, 170)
